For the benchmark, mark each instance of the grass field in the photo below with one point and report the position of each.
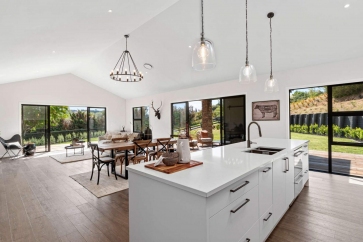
(318, 142)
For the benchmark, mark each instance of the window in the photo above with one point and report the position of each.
(140, 119)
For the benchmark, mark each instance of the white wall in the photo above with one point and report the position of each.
(332, 73)
(67, 90)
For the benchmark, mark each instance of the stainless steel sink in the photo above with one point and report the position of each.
(264, 150)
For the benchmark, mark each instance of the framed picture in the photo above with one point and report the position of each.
(266, 110)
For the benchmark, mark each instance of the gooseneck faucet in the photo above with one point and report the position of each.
(249, 142)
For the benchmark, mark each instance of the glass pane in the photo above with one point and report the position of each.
(179, 118)
(97, 123)
(348, 129)
(35, 126)
(309, 121)
(348, 97)
(145, 118)
(195, 118)
(60, 126)
(234, 120)
(347, 160)
(137, 113)
(216, 107)
(137, 126)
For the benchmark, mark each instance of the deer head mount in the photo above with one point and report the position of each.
(157, 111)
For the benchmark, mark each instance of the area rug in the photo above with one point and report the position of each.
(107, 186)
(61, 158)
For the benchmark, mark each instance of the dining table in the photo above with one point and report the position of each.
(126, 146)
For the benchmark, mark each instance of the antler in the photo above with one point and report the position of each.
(152, 105)
(160, 105)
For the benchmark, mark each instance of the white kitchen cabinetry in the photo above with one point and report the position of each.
(265, 188)
(252, 235)
(267, 223)
(289, 179)
(279, 188)
(305, 163)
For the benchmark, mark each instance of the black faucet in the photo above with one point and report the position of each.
(249, 142)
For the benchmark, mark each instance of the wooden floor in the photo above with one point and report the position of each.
(39, 202)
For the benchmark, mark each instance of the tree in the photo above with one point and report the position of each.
(79, 119)
(58, 114)
(298, 96)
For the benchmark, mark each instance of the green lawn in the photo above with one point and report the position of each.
(318, 142)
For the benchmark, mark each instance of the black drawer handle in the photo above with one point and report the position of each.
(306, 171)
(305, 146)
(234, 211)
(269, 215)
(306, 154)
(248, 240)
(244, 184)
(267, 169)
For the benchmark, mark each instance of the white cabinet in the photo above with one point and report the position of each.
(267, 223)
(265, 188)
(231, 223)
(252, 235)
(279, 188)
(289, 179)
(305, 163)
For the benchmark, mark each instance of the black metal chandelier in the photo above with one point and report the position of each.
(125, 69)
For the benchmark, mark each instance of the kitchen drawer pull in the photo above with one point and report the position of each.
(305, 146)
(301, 178)
(244, 184)
(306, 171)
(306, 154)
(287, 165)
(269, 215)
(267, 169)
(248, 240)
(298, 153)
(234, 211)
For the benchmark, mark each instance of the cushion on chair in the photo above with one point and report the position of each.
(14, 144)
(204, 134)
(206, 139)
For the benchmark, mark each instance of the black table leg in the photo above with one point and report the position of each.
(126, 176)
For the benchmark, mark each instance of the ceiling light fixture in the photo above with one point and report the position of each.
(122, 71)
(247, 72)
(203, 52)
(110, 11)
(346, 5)
(271, 83)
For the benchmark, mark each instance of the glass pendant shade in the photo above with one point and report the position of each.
(203, 56)
(271, 85)
(247, 74)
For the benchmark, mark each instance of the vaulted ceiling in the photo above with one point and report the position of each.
(88, 40)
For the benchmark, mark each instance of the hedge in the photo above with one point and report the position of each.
(347, 132)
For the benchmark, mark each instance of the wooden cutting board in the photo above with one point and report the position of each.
(174, 168)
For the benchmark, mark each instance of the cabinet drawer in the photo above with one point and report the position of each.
(305, 147)
(224, 197)
(230, 226)
(252, 235)
(306, 177)
(299, 184)
(266, 224)
(265, 188)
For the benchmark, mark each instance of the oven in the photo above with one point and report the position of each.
(298, 168)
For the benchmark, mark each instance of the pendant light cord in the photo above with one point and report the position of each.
(271, 47)
(202, 21)
(246, 36)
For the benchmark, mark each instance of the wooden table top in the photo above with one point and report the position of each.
(127, 145)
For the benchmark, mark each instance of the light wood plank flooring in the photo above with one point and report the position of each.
(40, 202)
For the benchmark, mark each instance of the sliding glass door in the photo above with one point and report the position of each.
(179, 117)
(331, 117)
(96, 123)
(35, 126)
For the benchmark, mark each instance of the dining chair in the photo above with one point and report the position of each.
(162, 146)
(141, 151)
(120, 155)
(100, 161)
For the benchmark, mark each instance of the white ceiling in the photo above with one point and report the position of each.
(88, 40)
(77, 30)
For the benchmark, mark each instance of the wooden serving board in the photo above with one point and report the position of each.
(175, 168)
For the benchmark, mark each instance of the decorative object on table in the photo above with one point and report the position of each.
(266, 110)
(125, 69)
(172, 169)
(123, 129)
(170, 159)
(203, 57)
(157, 111)
(148, 133)
(247, 72)
(29, 149)
(12, 144)
(183, 150)
(271, 83)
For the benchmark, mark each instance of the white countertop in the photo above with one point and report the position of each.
(222, 166)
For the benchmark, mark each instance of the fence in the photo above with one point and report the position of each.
(322, 119)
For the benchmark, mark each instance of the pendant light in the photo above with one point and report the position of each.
(203, 53)
(247, 72)
(125, 69)
(271, 83)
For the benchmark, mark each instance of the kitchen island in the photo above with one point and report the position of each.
(233, 196)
